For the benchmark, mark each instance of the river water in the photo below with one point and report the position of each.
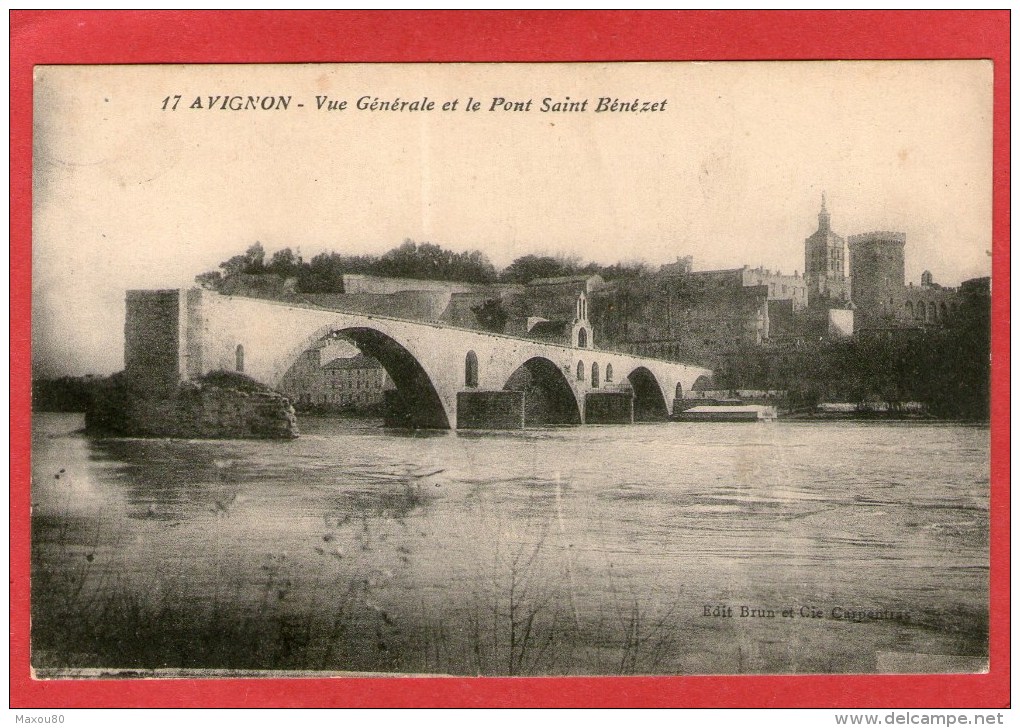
(661, 548)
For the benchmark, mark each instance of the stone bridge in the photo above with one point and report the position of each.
(445, 377)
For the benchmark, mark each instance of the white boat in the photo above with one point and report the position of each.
(728, 413)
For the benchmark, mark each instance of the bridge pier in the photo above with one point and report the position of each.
(609, 408)
(496, 410)
(401, 410)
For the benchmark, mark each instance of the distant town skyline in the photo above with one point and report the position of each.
(128, 195)
(798, 268)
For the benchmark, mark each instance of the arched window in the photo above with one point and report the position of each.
(471, 369)
(679, 391)
(239, 358)
(595, 375)
(582, 338)
(609, 372)
(932, 312)
(580, 371)
(910, 309)
(919, 311)
(943, 311)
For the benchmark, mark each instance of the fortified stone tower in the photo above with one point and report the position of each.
(876, 266)
(824, 267)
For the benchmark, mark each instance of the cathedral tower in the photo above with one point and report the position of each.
(825, 263)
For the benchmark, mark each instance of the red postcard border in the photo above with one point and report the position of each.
(75, 37)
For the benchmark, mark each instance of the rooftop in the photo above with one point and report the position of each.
(583, 278)
(880, 235)
(360, 361)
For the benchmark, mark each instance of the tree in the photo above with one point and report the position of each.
(209, 280)
(472, 266)
(253, 261)
(324, 273)
(529, 267)
(622, 270)
(491, 315)
(431, 262)
(285, 263)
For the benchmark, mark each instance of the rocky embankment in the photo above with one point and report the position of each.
(220, 405)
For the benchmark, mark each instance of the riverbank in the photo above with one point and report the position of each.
(865, 416)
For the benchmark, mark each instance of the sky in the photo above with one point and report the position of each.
(730, 169)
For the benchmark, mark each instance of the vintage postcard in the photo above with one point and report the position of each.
(511, 369)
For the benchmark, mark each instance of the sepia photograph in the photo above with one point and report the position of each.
(511, 369)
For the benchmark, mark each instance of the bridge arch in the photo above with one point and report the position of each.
(649, 400)
(416, 402)
(702, 383)
(548, 396)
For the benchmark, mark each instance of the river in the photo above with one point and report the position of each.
(665, 548)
